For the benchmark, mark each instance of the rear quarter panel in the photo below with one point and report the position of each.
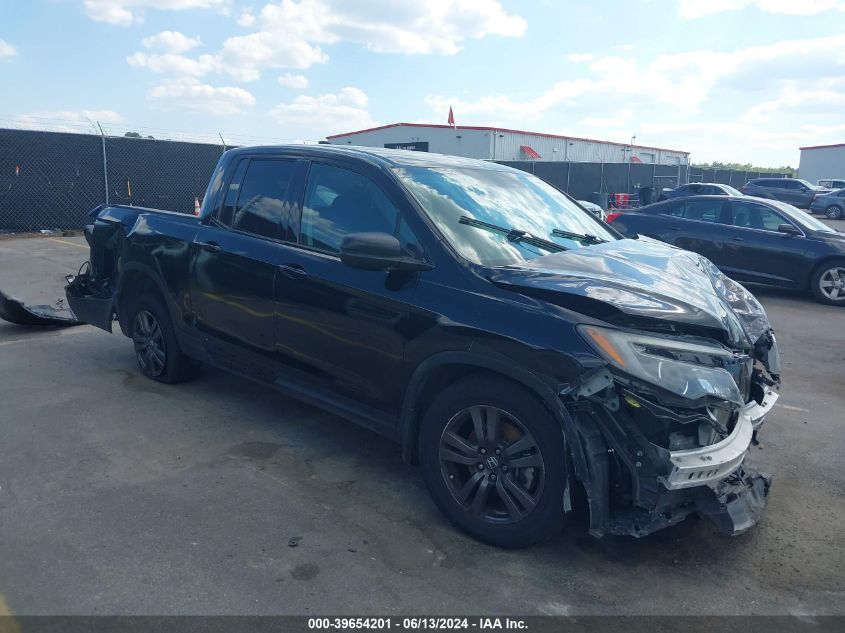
(160, 245)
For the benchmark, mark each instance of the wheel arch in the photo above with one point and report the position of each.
(808, 282)
(442, 369)
(136, 278)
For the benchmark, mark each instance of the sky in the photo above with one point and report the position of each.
(726, 80)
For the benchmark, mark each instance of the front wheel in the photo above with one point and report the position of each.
(493, 460)
(828, 283)
(833, 212)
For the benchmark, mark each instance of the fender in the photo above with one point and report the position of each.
(409, 421)
(155, 277)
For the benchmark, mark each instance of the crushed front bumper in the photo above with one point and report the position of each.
(710, 464)
(635, 487)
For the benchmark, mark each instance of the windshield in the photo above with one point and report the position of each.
(731, 191)
(802, 218)
(509, 199)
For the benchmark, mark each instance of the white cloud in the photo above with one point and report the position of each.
(326, 114)
(189, 93)
(612, 121)
(174, 64)
(244, 57)
(757, 103)
(6, 49)
(580, 57)
(691, 9)
(127, 12)
(808, 103)
(171, 41)
(67, 120)
(297, 82)
(683, 80)
(291, 33)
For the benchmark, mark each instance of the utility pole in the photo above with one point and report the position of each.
(105, 162)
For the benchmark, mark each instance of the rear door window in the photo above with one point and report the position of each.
(263, 206)
(230, 198)
(703, 210)
(674, 209)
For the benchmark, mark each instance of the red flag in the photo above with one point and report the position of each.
(451, 120)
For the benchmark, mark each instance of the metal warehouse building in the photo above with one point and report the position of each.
(821, 162)
(501, 144)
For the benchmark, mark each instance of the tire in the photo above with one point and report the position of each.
(477, 485)
(828, 282)
(154, 340)
(833, 212)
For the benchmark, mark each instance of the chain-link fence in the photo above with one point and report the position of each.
(51, 180)
(583, 180)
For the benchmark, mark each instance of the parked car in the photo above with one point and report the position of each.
(699, 189)
(796, 192)
(749, 239)
(832, 183)
(593, 208)
(515, 346)
(831, 204)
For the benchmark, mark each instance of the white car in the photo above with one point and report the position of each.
(593, 208)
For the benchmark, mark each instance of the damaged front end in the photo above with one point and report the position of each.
(666, 425)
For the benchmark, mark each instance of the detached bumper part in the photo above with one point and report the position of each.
(14, 310)
(736, 504)
(711, 464)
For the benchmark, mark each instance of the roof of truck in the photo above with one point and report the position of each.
(388, 157)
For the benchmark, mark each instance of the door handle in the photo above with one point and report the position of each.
(211, 247)
(737, 238)
(293, 271)
(676, 228)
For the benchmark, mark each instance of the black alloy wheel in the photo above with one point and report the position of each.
(493, 458)
(150, 347)
(491, 464)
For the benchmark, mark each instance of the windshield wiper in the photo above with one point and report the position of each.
(514, 235)
(589, 239)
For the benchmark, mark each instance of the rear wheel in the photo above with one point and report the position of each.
(492, 459)
(833, 212)
(154, 339)
(828, 283)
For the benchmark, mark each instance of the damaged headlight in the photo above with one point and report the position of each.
(691, 370)
(754, 320)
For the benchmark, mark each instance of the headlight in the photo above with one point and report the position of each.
(689, 370)
(744, 304)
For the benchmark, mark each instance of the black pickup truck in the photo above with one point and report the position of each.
(521, 351)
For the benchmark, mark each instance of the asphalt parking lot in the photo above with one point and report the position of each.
(123, 496)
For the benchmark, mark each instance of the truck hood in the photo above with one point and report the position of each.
(641, 278)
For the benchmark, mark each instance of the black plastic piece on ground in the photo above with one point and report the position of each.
(14, 310)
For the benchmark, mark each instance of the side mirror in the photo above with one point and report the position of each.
(377, 251)
(788, 229)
